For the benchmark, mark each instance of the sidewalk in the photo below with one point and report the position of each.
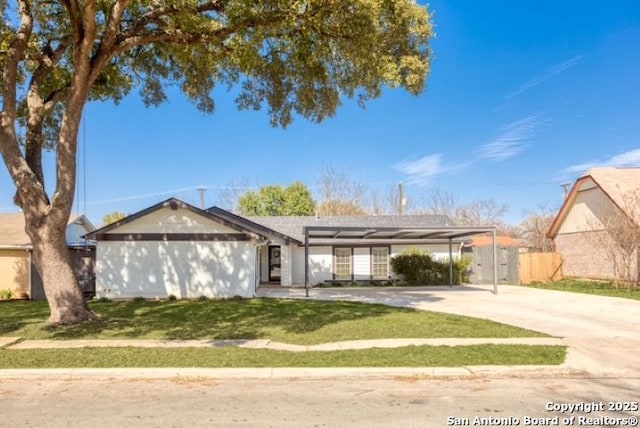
(530, 371)
(18, 343)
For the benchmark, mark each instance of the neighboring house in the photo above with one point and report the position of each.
(17, 270)
(15, 255)
(578, 229)
(174, 248)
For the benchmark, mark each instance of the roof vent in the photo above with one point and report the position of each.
(173, 205)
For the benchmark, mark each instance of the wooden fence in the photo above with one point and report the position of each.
(540, 267)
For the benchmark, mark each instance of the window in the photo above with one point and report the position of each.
(380, 263)
(342, 268)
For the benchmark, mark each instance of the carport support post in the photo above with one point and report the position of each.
(306, 262)
(450, 263)
(495, 264)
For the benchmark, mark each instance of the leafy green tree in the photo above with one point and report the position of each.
(294, 57)
(294, 199)
(112, 217)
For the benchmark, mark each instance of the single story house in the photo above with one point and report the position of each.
(584, 220)
(17, 270)
(174, 248)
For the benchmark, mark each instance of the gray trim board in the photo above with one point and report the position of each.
(173, 237)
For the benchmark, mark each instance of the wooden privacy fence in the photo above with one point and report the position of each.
(540, 267)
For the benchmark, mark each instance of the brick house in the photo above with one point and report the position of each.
(578, 230)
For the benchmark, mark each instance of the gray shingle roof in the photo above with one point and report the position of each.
(293, 225)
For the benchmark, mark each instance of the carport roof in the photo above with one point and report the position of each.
(362, 233)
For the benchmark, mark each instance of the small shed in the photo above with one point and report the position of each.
(481, 251)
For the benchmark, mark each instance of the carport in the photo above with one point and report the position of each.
(332, 235)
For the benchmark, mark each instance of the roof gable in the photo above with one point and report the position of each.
(616, 183)
(191, 220)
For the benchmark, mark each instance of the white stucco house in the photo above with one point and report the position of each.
(174, 248)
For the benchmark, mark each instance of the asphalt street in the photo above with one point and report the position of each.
(400, 402)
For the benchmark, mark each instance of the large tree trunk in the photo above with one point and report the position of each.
(51, 256)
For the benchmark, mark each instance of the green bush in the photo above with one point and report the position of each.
(6, 294)
(420, 268)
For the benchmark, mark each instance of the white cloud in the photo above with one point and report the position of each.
(629, 158)
(555, 70)
(422, 170)
(512, 139)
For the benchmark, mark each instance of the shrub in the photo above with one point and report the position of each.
(139, 299)
(103, 300)
(172, 297)
(203, 298)
(420, 268)
(6, 294)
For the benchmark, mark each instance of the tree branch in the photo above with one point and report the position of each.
(73, 9)
(111, 29)
(154, 15)
(84, 39)
(14, 56)
(38, 107)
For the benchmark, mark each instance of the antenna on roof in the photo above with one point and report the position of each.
(565, 187)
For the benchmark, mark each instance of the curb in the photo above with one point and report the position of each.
(281, 373)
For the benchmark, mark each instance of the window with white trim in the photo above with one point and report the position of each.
(342, 263)
(380, 262)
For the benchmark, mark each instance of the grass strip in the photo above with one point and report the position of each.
(599, 288)
(410, 356)
(302, 322)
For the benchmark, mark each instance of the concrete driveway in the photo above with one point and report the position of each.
(603, 333)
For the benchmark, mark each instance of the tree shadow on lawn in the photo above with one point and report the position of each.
(20, 314)
(217, 319)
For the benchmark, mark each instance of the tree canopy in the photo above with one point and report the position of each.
(294, 199)
(290, 57)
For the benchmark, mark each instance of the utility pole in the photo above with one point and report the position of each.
(401, 201)
(202, 191)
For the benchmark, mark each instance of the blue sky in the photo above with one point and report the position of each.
(522, 97)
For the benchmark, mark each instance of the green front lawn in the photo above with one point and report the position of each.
(410, 356)
(304, 322)
(600, 288)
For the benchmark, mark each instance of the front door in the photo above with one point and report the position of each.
(274, 263)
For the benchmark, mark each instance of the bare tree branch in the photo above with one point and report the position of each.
(617, 236)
